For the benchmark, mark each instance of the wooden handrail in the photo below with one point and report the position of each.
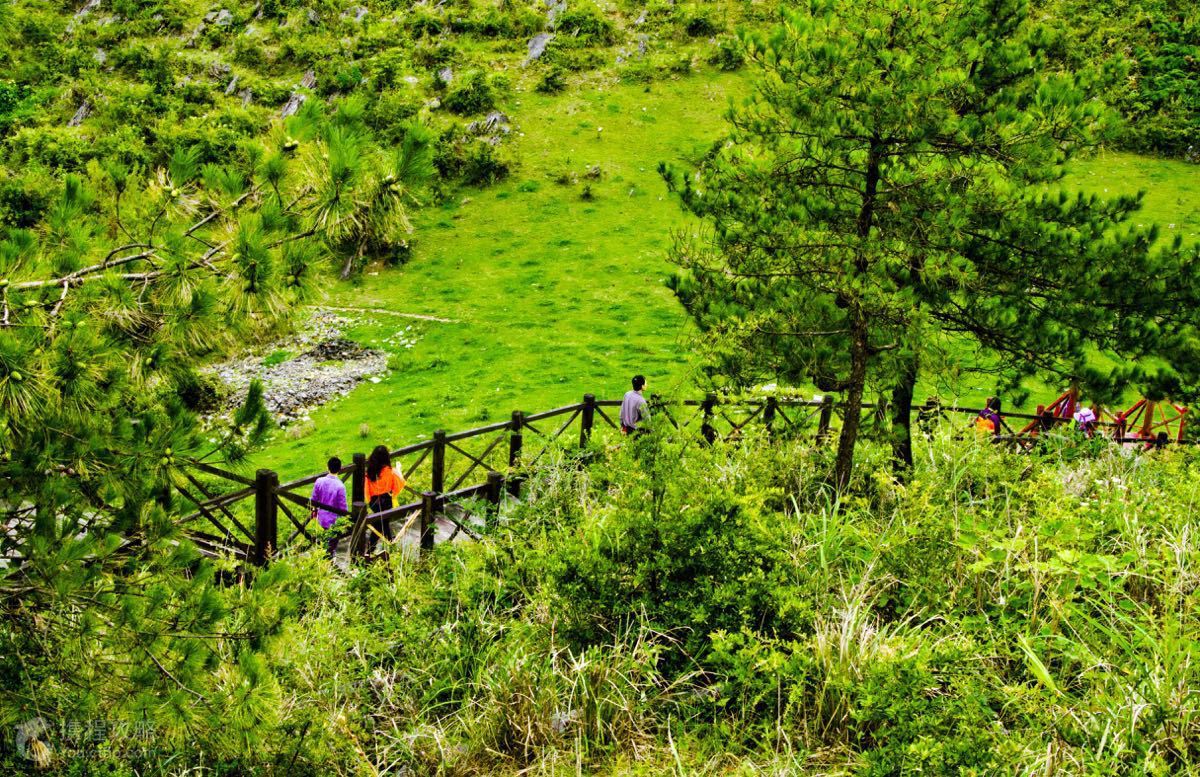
(708, 412)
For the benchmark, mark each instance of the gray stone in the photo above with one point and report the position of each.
(232, 85)
(247, 96)
(82, 13)
(537, 46)
(313, 17)
(224, 18)
(100, 56)
(328, 367)
(446, 75)
(309, 81)
(293, 104)
(82, 113)
(495, 123)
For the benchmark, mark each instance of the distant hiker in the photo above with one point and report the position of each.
(988, 420)
(329, 492)
(383, 484)
(1085, 420)
(634, 408)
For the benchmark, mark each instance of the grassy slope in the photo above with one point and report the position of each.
(1172, 189)
(554, 296)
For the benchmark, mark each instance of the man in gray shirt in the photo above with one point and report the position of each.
(634, 408)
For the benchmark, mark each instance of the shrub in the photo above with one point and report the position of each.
(470, 94)
(698, 22)
(387, 115)
(553, 81)
(474, 161)
(483, 165)
(573, 59)
(586, 25)
(728, 54)
(435, 55)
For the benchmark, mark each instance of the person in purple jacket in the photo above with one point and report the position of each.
(329, 492)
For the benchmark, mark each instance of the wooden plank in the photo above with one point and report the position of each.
(552, 413)
(496, 427)
(480, 462)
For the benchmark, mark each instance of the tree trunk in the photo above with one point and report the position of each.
(859, 331)
(902, 397)
(859, 353)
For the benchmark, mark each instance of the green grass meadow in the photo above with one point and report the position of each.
(551, 293)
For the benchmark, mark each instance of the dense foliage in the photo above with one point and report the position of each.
(880, 192)
(1151, 50)
(695, 609)
(177, 178)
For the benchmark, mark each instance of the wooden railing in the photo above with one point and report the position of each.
(456, 482)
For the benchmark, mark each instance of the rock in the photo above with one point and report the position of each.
(495, 123)
(100, 56)
(330, 367)
(82, 113)
(232, 86)
(293, 104)
(537, 46)
(643, 43)
(219, 70)
(641, 18)
(224, 18)
(337, 348)
(357, 13)
(313, 17)
(446, 75)
(554, 10)
(309, 81)
(82, 13)
(411, 80)
(247, 96)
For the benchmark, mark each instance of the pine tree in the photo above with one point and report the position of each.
(894, 180)
(107, 308)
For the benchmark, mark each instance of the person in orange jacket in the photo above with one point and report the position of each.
(383, 483)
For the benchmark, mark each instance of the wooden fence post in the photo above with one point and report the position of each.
(515, 441)
(495, 489)
(825, 418)
(358, 479)
(769, 415)
(358, 506)
(438, 471)
(707, 430)
(587, 419)
(266, 515)
(429, 507)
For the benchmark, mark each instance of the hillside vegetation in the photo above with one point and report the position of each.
(689, 610)
(490, 192)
